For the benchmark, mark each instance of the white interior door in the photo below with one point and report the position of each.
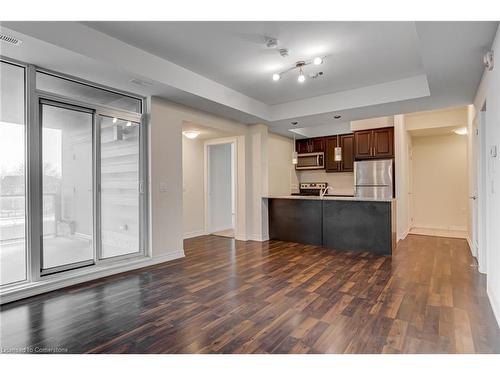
(220, 188)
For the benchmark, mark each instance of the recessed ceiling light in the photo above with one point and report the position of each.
(460, 131)
(318, 61)
(336, 117)
(276, 77)
(191, 134)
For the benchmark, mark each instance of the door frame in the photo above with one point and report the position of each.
(481, 184)
(233, 141)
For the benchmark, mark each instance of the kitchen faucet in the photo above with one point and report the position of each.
(323, 191)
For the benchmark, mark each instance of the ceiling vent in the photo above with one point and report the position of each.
(10, 39)
(140, 82)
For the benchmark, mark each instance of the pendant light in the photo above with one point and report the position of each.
(295, 155)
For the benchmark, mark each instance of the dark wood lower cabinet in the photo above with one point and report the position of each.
(296, 220)
(335, 224)
(359, 226)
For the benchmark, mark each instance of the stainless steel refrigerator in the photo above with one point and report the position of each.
(373, 179)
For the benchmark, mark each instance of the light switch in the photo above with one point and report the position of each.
(163, 187)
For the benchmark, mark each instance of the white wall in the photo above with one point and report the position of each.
(220, 187)
(257, 167)
(402, 143)
(165, 154)
(372, 123)
(193, 181)
(342, 182)
(282, 175)
(455, 117)
(440, 182)
(489, 90)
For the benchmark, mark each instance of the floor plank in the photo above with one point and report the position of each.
(229, 296)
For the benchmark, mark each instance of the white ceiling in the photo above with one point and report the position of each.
(235, 55)
(373, 69)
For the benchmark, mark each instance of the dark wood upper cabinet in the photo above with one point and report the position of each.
(374, 144)
(347, 144)
(330, 164)
(363, 144)
(305, 146)
(318, 144)
(302, 146)
(383, 143)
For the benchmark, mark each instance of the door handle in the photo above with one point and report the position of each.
(474, 197)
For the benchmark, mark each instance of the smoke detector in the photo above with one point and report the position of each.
(10, 39)
(488, 60)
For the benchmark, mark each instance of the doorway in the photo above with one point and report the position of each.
(439, 188)
(220, 188)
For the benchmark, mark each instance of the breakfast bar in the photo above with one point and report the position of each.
(334, 222)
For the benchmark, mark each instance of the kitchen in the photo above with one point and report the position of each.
(339, 217)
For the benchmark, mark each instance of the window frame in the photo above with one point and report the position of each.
(33, 177)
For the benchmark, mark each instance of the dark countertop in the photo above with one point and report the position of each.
(329, 197)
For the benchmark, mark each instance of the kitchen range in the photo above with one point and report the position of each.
(363, 221)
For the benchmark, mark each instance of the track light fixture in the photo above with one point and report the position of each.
(299, 65)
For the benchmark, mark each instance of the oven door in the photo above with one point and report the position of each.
(314, 160)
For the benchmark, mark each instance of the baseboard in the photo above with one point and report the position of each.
(240, 236)
(469, 242)
(452, 227)
(83, 275)
(195, 233)
(439, 232)
(495, 306)
(405, 234)
(258, 238)
(220, 229)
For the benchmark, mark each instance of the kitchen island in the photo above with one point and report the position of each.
(335, 222)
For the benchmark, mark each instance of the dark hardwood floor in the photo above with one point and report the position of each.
(228, 296)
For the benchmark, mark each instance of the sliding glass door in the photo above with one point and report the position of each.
(120, 186)
(67, 191)
(13, 255)
(72, 170)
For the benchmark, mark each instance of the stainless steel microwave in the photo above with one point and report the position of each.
(312, 160)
